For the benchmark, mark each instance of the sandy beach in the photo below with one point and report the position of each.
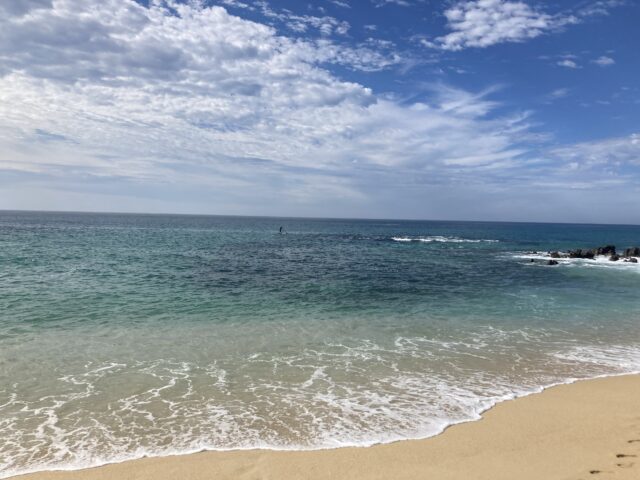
(589, 429)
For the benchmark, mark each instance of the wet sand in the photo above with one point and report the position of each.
(587, 430)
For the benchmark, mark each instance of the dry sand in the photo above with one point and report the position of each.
(588, 430)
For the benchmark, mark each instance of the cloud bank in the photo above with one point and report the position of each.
(192, 103)
(154, 93)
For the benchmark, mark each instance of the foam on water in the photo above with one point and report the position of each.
(194, 407)
(441, 239)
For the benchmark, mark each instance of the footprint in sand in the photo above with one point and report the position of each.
(620, 455)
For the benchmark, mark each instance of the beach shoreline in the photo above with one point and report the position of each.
(585, 429)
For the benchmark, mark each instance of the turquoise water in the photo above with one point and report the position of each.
(131, 335)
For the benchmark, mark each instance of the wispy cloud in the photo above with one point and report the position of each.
(599, 7)
(382, 3)
(557, 94)
(237, 4)
(326, 24)
(615, 153)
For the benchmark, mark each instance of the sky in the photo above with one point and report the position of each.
(492, 110)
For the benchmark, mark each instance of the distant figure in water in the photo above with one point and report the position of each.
(281, 229)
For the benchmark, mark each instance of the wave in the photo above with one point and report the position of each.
(441, 239)
(409, 404)
(600, 261)
(475, 415)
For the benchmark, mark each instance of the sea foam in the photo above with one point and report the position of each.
(441, 239)
(331, 405)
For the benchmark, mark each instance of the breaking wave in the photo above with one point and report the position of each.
(441, 239)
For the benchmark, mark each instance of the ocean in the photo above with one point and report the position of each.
(124, 336)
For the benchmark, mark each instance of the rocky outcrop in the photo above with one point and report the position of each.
(591, 253)
(606, 250)
(632, 252)
(584, 253)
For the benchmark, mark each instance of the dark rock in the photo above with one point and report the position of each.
(631, 260)
(554, 254)
(606, 250)
(552, 262)
(632, 252)
(614, 258)
(532, 260)
(581, 253)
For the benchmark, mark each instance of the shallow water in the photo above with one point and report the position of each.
(131, 335)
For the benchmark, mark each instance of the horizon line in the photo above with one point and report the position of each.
(92, 212)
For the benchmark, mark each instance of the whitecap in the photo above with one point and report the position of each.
(441, 239)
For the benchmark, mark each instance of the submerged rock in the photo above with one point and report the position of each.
(631, 260)
(614, 258)
(552, 262)
(554, 254)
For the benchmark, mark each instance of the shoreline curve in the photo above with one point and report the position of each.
(507, 440)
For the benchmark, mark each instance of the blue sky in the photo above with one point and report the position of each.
(473, 109)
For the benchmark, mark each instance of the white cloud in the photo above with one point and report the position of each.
(112, 97)
(482, 23)
(568, 63)
(604, 61)
(184, 93)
